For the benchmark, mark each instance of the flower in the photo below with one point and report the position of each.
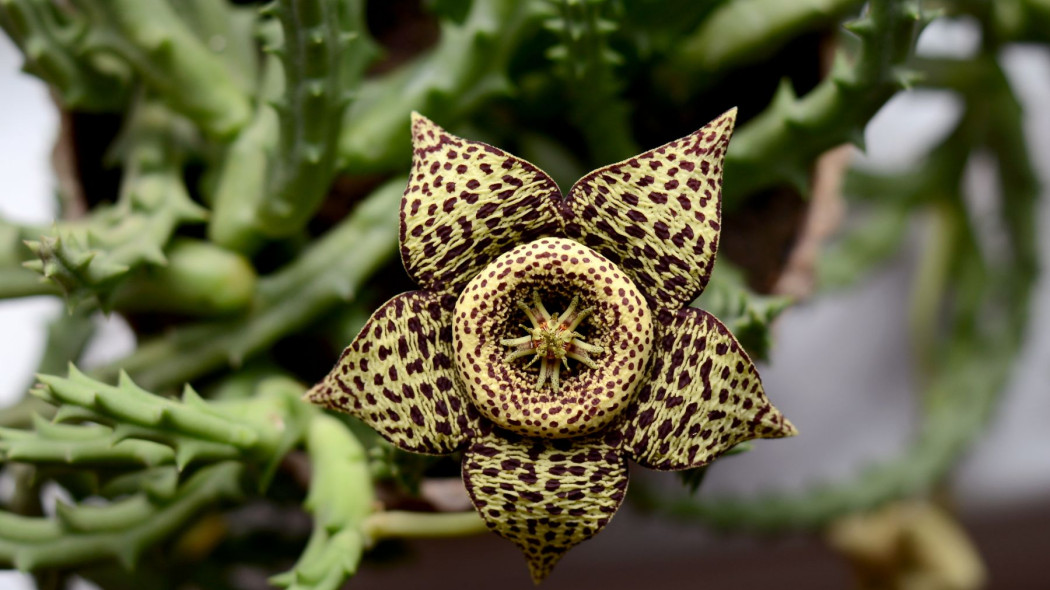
(552, 339)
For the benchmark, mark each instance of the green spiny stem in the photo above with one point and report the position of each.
(228, 31)
(104, 449)
(88, 258)
(27, 530)
(262, 427)
(740, 31)
(586, 62)
(341, 498)
(127, 403)
(778, 146)
(16, 281)
(364, 48)
(46, 430)
(319, 36)
(329, 273)
(160, 484)
(52, 40)
(242, 182)
(22, 282)
(242, 185)
(199, 279)
(117, 515)
(468, 64)
(100, 446)
(171, 59)
(89, 454)
(326, 563)
(120, 531)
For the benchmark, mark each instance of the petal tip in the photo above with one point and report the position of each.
(420, 125)
(538, 495)
(540, 568)
(315, 395)
(775, 425)
(727, 122)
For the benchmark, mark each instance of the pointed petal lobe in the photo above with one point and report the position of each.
(398, 376)
(544, 495)
(466, 203)
(703, 397)
(658, 214)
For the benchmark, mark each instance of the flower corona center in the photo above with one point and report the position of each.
(552, 340)
(551, 375)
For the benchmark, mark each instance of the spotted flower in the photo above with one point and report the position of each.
(551, 339)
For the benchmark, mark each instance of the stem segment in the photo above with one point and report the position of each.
(419, 525)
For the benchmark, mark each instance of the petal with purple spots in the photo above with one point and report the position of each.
(398, 376)
(657, 214)
(544, 495)
(466, 203)
(703, 397)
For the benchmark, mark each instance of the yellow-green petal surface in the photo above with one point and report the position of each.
(544, 495)
(658, 214)
(466, 203)
(398, 376)
(703, 397)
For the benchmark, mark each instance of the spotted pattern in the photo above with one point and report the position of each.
(544, 495)
(657, 215)
(587, 399)
(703, 396)
(466, 203)
(672, 389)
(398, 376)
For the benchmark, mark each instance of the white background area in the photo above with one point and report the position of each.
(837, 364)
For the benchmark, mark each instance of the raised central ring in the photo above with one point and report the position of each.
(489, 313)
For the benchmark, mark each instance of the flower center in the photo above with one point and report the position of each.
(551, 375)
(552, 340)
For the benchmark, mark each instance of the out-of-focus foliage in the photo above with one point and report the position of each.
(261, 154)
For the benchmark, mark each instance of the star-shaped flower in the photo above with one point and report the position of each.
(552, 338)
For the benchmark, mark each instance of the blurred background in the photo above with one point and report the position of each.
(844, 358)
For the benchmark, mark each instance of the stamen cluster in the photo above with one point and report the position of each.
(552, 340)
